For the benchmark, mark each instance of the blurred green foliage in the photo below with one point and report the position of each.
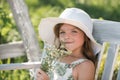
(103, 9)
(8, 29)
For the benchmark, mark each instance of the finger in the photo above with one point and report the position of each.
(38, 71)
(40, 77)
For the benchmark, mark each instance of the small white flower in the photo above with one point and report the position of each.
(52, 55)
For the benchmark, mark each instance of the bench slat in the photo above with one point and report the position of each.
(13, 66)
(11, 50)
(110, 62)
(106, 31)
(99, 61)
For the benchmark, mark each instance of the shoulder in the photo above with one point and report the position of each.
(85, 70)
(86, 64)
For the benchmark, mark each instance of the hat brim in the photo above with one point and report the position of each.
(46, 31)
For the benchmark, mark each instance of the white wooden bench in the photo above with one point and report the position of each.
(103, 31)
(108, 31)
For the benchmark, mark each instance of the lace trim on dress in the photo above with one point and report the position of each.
(73, 64)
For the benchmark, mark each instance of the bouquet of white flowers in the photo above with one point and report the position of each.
(53, 54)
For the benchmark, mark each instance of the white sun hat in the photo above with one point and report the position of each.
(73, 16)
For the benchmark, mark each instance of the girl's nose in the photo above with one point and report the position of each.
(67, 36)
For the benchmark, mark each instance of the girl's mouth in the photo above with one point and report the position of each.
(67, 42)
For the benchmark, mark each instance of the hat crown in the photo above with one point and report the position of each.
(77, 15)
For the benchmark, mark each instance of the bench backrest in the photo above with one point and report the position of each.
(107, 33)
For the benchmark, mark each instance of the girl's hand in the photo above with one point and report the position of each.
(41, 75)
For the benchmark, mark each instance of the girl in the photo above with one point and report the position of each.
(74, 27)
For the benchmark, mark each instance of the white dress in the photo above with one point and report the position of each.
(63, 71)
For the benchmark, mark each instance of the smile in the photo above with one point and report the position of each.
(68, 42)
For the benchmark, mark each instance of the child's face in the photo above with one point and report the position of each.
(72, 37)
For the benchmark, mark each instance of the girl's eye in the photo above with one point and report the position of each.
(61, 32)
(74, 31)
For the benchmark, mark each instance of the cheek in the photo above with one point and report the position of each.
(80, 40)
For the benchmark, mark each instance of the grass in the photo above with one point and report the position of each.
(14, 74)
